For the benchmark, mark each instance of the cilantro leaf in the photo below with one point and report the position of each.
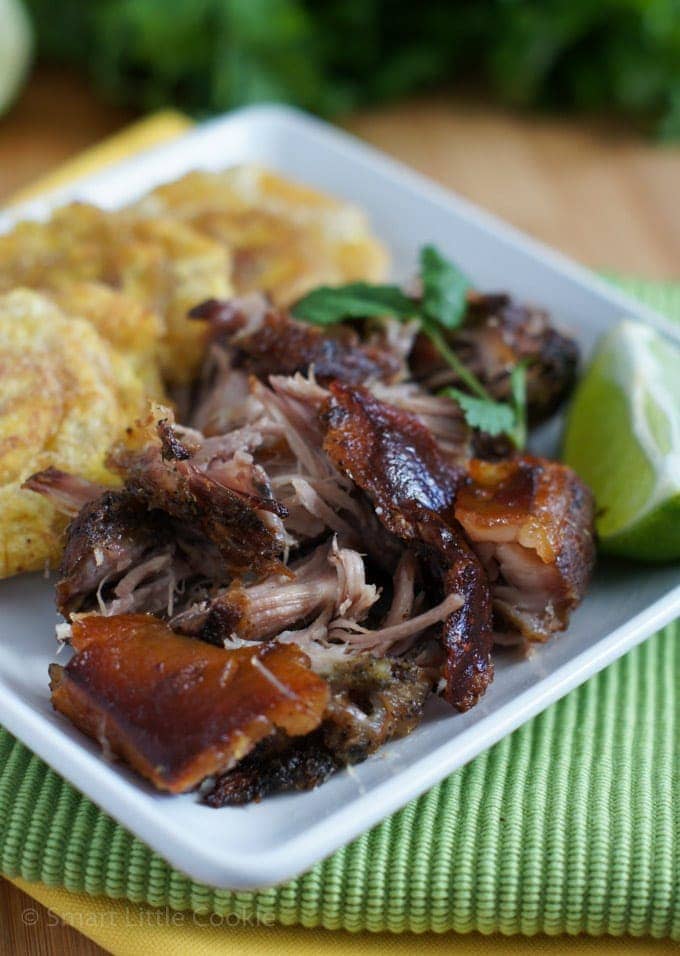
(494, 418)
(518, 391)
(330, 304)
(444, 289)
(498, 418)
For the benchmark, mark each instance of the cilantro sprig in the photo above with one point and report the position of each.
(440, 308)
(358, 300)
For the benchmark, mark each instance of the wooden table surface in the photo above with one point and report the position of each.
(596, 191)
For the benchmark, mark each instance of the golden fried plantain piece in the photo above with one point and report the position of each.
(165, 265)
(133, 329)
(284, 238)
(170, 266)
(66, 396)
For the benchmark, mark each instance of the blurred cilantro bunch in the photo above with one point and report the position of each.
(331, 55)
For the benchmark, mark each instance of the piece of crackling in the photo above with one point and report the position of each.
(176, 709)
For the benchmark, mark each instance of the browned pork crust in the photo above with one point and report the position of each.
(371, 702)
(394, 460)
(273, 343)
(277, 767)
(160, 471)
(497, 334)
(109, 536)
(531, 521)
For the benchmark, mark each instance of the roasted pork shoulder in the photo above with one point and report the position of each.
(497, 334)
(265, 341)
(393, 458)
(531, 523)
(275, 590)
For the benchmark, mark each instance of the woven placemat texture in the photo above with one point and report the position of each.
(569, 825)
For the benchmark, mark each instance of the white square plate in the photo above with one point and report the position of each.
(279, 838)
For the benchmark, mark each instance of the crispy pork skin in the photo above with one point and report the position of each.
(389, 454)
(497, 334)
(277, 765)
(176, 709)
(466, 634)
(531, 522)
(267, 341)
(394, 460)
(440, 414)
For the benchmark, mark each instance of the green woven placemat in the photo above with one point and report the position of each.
(571, 824)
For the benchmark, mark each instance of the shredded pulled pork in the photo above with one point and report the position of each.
(319, 607)
(320, 523)
(225, 496)
(330, 578)
(68, 493)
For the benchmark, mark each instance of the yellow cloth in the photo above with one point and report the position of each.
(127, 929)
(136, 138)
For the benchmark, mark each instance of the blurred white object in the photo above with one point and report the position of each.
(16, 49)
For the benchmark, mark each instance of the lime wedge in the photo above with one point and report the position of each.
(16, 47)
(623, 439)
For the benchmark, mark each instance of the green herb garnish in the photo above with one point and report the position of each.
(498, 418)
(495, 418)
(358, 300)
(444, 289)
(440, 308)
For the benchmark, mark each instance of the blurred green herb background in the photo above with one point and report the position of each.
(620, 56)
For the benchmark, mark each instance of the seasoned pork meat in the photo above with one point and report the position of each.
(371, 702)
(111, 536)
(395, 461)
(230, 506)
(497, 334)
(120, 557)
(531, 522)
(179, 710)
(194, 511)
(330, 579)
(68, 493)
(328, 540)
(266, 341)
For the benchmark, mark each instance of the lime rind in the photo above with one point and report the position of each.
(651, 538)
(623, 437)
(650, 376)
